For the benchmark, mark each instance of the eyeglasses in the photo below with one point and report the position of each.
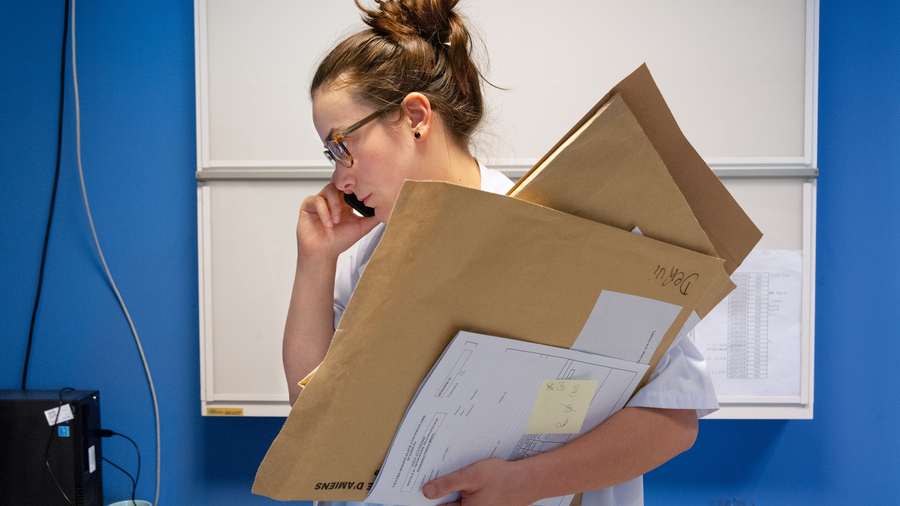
(335, 151)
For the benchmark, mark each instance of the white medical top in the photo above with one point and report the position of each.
(681, 380)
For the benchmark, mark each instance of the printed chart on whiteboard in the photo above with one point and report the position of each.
(751, 340)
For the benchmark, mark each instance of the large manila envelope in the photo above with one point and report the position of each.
(453, 259)
(615, 177)
(608, 171)
(731, 231)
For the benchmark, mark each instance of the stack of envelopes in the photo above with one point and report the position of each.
(529, 266)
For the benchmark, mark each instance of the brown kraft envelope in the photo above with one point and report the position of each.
(608, 171)
(728, 228)
(453, 259)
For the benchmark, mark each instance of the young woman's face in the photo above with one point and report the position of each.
(382, 152)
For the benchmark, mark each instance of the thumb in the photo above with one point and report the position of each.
(439, 487)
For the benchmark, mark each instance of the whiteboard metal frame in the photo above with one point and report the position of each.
(801, 406)
(204, 163)
(208, 172)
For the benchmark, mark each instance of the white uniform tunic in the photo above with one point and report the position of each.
(681, 380)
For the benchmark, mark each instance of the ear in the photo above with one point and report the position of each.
(419, 116)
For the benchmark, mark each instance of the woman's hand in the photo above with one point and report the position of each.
(628, 444)
(489, 482)
(328, 226)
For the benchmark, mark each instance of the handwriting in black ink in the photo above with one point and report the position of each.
(567, 408)
(676, 277)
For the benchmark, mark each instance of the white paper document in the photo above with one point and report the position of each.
(494, 397)
(751, 340)
(626, 326)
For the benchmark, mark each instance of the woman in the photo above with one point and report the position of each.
(400, 100)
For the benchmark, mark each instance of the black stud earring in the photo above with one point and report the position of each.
(417, 134)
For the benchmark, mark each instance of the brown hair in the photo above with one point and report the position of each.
(410, 46)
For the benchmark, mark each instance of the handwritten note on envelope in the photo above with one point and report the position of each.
(561, 406)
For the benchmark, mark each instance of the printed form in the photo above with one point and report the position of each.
(751, 340)
(494, 397)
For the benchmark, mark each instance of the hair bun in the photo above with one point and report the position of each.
(410, 46)
(401, 20)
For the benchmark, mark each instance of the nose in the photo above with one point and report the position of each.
(343, 178)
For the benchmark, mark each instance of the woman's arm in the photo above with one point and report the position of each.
(628, 444)
(326, 227)
(310, 320)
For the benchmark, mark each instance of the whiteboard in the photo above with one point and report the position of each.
(740, 78)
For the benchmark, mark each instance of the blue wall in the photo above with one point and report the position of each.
(136, 79)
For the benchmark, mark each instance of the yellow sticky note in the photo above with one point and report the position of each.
(561, 406)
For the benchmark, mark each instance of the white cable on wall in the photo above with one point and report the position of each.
(103, 260)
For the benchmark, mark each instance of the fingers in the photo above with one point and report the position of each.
(327, 225)
(327, 205)
(335, 200)
(487, 482)
(322, 209)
